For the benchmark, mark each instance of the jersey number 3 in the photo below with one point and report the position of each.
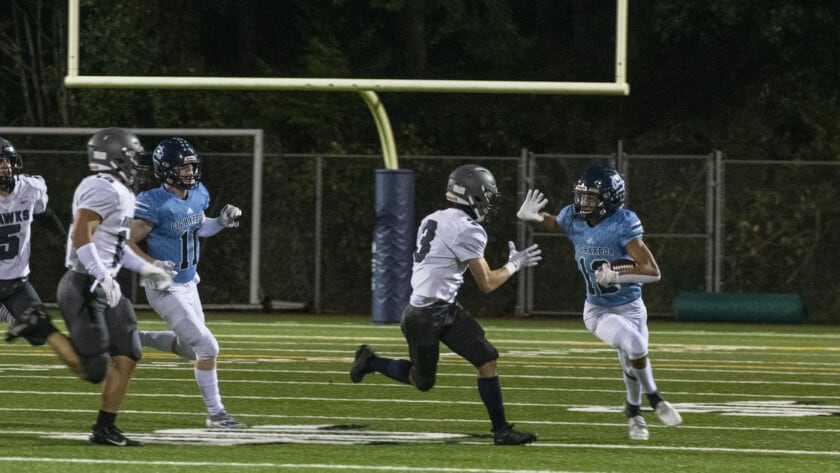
(427, 235)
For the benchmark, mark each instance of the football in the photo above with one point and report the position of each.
(622, 264)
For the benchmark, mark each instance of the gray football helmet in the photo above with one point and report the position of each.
(115, 150)
(473, 187)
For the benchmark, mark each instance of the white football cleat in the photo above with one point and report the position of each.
(667, 414)
(223, 420)
(637, 428)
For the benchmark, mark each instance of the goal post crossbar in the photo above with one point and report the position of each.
(367, 88)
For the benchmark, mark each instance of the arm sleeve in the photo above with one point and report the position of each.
(132, 260)
(89, 257)
(209, 227)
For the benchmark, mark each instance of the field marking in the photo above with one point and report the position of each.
(490, 328)
(320, 434)
(636, 447)
(313, 434)
(781, 408)
(317, 418)
(286, 466)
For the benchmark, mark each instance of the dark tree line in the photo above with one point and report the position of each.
(756, 78)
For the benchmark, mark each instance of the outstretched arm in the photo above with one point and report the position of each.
(531, 211)
(49, 220)
(489, 280)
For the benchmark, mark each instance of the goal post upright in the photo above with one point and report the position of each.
(367, 88)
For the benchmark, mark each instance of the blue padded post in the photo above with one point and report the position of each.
(393, 244)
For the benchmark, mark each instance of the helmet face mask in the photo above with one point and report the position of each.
(599, 192)
(10, 165)
(176, 163)
(474, 187)
(115, 150)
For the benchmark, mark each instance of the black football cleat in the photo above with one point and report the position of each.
(35, 326)
(508, 436)
(110, 436)
(360, 364)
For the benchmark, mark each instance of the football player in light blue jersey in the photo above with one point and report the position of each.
(171, 219)
(603, 234)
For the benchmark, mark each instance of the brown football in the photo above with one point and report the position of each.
(622, 264)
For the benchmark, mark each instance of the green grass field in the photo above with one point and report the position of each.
(754, 398)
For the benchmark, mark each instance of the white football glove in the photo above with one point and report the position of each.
(113, 294)
(159, 274)
(522, 259)
(606, 276)
(229, 216)
(530, 209)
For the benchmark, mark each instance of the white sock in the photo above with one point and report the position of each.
(208, 384)
(645, 377)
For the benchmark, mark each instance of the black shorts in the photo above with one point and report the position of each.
(94, 327)
(18, 295)
(450, 324)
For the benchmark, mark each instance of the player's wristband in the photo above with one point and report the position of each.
(89, 257)
(511, 268)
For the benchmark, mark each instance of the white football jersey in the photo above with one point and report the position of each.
(29, 197)
(114, 202)
(446, 240)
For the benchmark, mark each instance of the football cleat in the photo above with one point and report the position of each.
(667, 414)
(110, 436)
(35, 327)
(223, 420)
(360, 364)
(508, 436)
(637, 428)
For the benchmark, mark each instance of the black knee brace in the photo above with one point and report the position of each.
(96, 367)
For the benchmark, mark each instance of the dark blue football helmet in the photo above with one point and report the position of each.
(170, 156)
(606, 184)
(7, 152)
(473, 187)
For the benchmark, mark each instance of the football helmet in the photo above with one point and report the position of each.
(115, 150)
(168, 160)
(7, 152)
(473, 187)
(606, 185)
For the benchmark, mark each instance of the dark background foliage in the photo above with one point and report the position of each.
(754, 78)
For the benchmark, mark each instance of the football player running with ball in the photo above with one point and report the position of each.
(450, 241)
(603, 231)
(171, 219)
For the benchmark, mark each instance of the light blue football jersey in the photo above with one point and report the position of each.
(596, 245)
(176, 223)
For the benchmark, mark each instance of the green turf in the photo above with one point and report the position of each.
(755, 398)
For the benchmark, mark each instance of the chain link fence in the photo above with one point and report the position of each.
(713, 223)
